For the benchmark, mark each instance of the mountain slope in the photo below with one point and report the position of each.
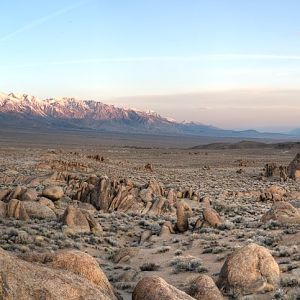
(68, 113)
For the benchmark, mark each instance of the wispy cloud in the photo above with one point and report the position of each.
(42, 20)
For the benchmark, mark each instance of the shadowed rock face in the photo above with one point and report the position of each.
(71, 276)
(250, 269)
(155, 288)
(282, 212)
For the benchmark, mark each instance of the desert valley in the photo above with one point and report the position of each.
(85, 216)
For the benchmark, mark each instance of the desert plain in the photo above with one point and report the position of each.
(154, 216)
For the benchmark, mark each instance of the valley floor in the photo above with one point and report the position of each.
(230, 178)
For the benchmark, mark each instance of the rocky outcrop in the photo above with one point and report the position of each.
(249, 270)
(273, 193)
(294, 168)
(282, 212)
(68, 276)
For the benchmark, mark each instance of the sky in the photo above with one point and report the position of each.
(229, 63)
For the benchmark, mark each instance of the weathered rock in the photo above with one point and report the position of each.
(211, 217)
(249, 270)
(16, 193)
(155, 187)
(204, 288)
(3, 194)
(3, 209)
(46, 202)
(274, 193)
(166, 229)
(272, 170)
(37, 210)
(83, 265)
(294, 168)
(183, 213)
(29, 195)
(155, 288)
(124, 254)
(79, 221)
(282, 212)
(157, 206)
(23, 280)
(16, 209)
(53, 192)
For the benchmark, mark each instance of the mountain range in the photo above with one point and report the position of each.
(25, 111)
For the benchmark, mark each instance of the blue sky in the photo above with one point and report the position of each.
(221, 62)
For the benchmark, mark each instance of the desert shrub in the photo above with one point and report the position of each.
(187, 264)
(149, 267)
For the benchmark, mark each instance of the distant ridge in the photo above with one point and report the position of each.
(249, 145)
(25, 111)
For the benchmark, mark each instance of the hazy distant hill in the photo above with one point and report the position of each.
(69, 113)
(249, 145)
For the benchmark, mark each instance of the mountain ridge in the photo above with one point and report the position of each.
(58, 113)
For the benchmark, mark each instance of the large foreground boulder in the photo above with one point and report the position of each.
(282, 212)
(155, 288)
(248, 270)
(83, 265)
(24, 280)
